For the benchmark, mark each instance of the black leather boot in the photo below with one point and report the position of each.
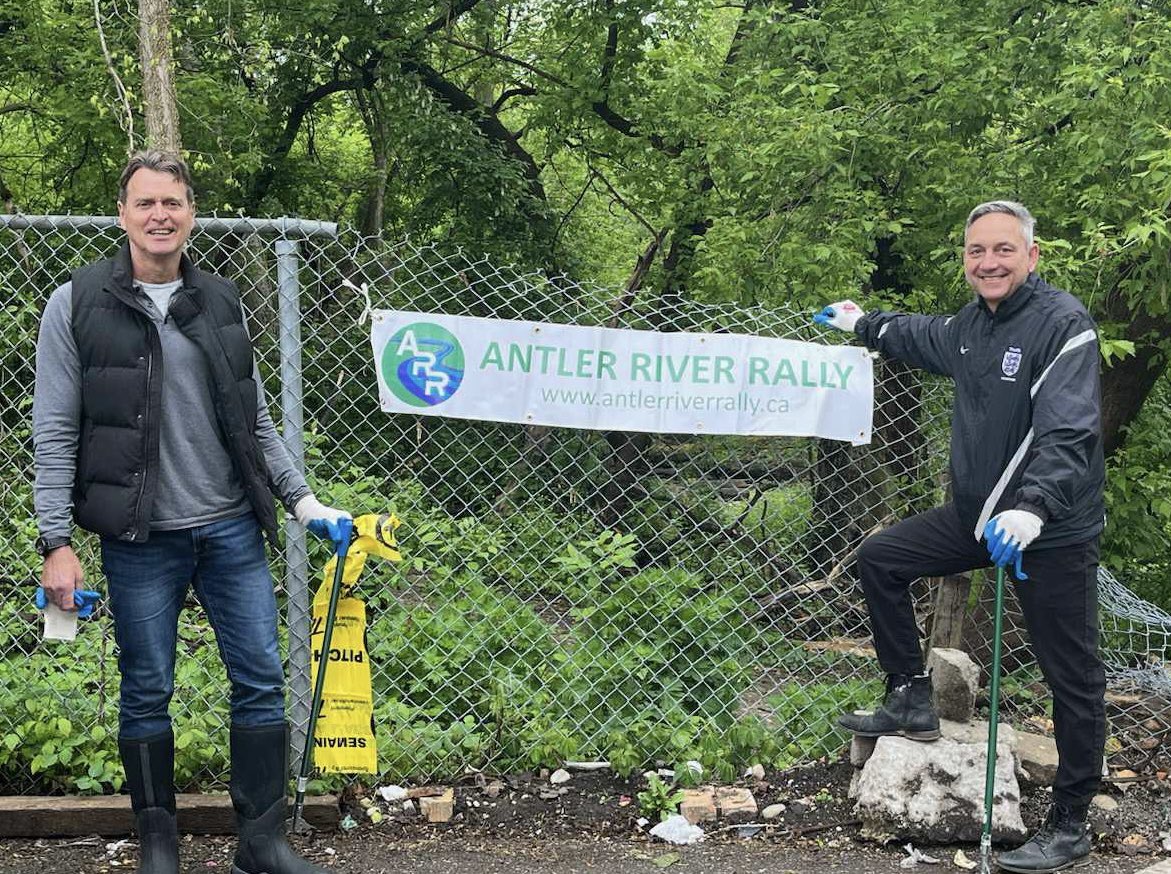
(907, 710)
(1062, 842)
(150, 776)
(260, 778)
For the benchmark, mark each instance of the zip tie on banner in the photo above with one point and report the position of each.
(364, 290)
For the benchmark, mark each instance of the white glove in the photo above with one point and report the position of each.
(1009, 534)
(320, 519)
(842, 315)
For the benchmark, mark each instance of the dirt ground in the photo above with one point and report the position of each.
(522, 825)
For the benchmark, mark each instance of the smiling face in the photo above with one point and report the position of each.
(157, 216)
(997, 260)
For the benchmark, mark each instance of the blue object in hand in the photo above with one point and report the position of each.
(825, 316)
(85, 600)
(1003, 550)
(339, 532)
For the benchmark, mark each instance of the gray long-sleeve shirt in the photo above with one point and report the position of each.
(197, 481)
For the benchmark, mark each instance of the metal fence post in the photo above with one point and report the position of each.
(292, 426)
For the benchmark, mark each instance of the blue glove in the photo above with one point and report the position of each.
(843, 315)
(1008, 535)
(85, 599)
(327, 522)
(340, 532)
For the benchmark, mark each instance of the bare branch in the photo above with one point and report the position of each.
(576, 203)
(630, 209)
(625, 126)
(297, 115)
(500, 56)
(128, 128)
(450, 17)
(508, 94)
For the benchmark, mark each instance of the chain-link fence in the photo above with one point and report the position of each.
(564, 594)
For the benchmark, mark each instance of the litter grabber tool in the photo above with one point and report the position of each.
(993, 717)
(340, 532)
(341, 729)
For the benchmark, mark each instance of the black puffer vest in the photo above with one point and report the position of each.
(121, 393)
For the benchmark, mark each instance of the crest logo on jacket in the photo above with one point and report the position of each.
(1011, 362)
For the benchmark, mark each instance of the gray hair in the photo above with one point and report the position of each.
(160, 162)
(1006, 207)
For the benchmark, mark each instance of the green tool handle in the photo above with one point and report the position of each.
(993, 714)
(319, 686)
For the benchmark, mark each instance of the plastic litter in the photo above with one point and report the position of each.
(915, 857)
(677, 830)
(392, 793)
(962, 861)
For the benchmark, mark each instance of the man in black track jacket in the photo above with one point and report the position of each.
(1027, 479)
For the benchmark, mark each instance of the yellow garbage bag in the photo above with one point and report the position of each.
(344, 737)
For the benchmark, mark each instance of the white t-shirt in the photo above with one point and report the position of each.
(160, 293)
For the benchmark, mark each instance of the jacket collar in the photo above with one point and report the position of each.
(1014, 303)
(121, 281)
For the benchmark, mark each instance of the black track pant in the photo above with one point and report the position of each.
(1060, 605)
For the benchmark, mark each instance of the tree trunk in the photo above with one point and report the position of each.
(373, 208)
(158, 87)
(7, 198)
(1127, 382)
(948, 610)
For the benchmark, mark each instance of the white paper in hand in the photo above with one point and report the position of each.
(60, 624)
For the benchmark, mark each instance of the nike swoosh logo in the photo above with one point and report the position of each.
(963, 350)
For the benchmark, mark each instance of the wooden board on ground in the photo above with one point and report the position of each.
(60, 816)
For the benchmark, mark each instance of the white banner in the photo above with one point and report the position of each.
(536, 373)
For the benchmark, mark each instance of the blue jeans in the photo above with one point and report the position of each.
(148, 582)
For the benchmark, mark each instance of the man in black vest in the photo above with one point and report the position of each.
(151, 430)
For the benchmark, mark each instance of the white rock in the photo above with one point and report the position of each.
(1105, 802)
(756, 772)
(773, 811)
(560, 776)
(956, 680)
(861, 749)
(1037, 755)
(934, 792)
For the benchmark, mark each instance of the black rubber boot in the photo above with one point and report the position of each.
(150, 776)
(260, 778)
(1062, 842)
(907, 710)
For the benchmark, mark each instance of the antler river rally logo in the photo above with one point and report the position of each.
(423, 364)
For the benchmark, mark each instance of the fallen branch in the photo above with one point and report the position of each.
(816, 587)
(587, 766)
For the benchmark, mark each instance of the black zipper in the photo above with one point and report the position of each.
(152, 341)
